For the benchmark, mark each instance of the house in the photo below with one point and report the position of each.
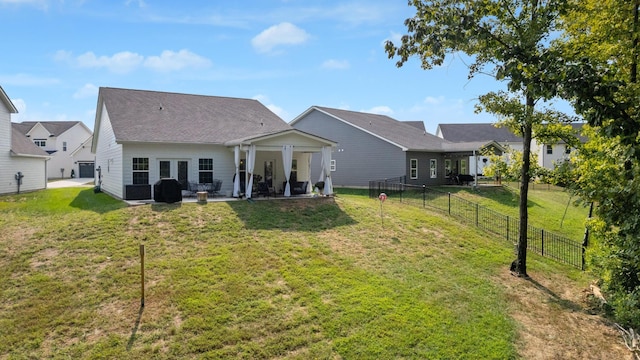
(548, 154)
(143, 136)
(23, 164)
(375, 147)
(68, 144)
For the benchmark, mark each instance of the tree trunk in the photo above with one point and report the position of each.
(519, 266)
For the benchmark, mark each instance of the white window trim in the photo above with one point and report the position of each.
(333, 165)
(411, 168)
(433, 168)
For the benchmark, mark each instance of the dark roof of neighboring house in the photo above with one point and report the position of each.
(153, 116)
(21, 145)
(54, 128)
(477, 132)
(392, 130)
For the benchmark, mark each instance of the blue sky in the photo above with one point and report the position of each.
(288, 54)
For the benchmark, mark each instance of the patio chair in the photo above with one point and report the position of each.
(264, 190)
(192, 189)
(214, 187)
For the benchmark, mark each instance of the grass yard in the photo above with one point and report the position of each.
(550, 208)
(281, 279)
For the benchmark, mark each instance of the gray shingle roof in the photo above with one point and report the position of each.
(483, 132)
(398, 132)
(152, 116)
(55, 128)
(21, 145)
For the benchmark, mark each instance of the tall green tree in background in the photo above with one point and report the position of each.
(601, 46)
(509, 39)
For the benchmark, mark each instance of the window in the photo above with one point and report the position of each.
(64, 146)
(140, 168)
(333, 165)
(165, 169)
(463, 166)
(40, 142)
(447, 168)
(205, 166)
(549, 149)
(567, 149)
(413, 168)
(433, 168)
(294, 171)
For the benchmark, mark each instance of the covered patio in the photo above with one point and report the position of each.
(280, 164)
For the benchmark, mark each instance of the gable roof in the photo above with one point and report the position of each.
(4, 98)
(399, 133)
(153, 116)
(55, 128)
(483, 132)
(22, 146)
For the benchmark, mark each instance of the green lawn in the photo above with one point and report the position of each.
(286, 279)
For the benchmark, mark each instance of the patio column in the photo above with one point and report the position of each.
(251, 162)
(236, 177)
(287, 160)
(326, 170)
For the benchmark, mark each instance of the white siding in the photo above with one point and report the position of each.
(109, 157)
(33, 169)
(223, 162)
(74, 137)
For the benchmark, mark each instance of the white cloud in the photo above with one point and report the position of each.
(20, 104)
(87, 91)
(122, 62)
(27, 80)
(125, 61)
(380, 110)
(333, 64)
(172, 61)
(274, 108)
(282, 34)
(395, 38)
(140, 3)
(40, 4)
(434, 100)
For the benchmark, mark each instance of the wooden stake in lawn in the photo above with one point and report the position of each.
(382, 198)
(142, 275)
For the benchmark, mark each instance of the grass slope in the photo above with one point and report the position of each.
(285, 279)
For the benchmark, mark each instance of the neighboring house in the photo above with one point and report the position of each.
(548, 154)
(375, 147)
(143, 136)
(18, 155)
(68, 144)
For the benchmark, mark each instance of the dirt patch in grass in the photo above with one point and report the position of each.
(555, 322)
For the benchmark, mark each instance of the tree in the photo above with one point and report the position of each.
(602, 46)
(509, 39)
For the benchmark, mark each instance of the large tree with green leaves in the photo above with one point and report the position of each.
(508, 39)
(601, 46)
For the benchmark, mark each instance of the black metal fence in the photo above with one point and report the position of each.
(539, 241)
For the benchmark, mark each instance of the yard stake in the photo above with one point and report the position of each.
(142, 274)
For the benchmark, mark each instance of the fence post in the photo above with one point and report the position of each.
(477, 208)
(507, 227)
(542, 241)
(449, 203)
(424, 195)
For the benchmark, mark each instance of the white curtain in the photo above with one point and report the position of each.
(309, 184)
(251, 162)
(287, 160)
(236, 177)
(326, 169)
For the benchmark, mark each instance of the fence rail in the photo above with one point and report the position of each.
(539, 241)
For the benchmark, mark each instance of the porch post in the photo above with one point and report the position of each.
(287, 159)
(236, 177)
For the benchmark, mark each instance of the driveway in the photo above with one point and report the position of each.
(70, 183)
